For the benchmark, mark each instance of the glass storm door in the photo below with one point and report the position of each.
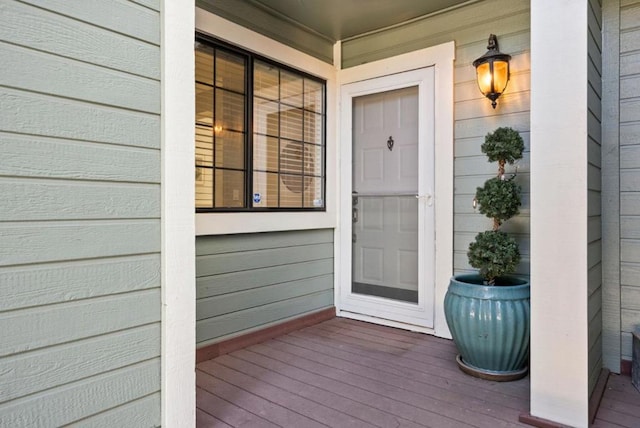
(391, 204)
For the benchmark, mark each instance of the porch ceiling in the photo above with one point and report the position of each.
(342, 19)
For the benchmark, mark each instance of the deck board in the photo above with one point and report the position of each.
(363, 412)
(205, 420)
(347, 373)
(620, 405)
(422, 358)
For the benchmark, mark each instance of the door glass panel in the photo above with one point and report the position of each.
(384, 203)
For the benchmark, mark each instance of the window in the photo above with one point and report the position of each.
(260, 133)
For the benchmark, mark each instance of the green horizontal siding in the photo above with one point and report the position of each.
(59, 200)
(79, 360)
(51, 32)
(80, 221)
(120, 16)
(35, 328)
(28, 285)
(44, 157)
(141, 413)
(23, 67)
(39, 114)
(48, 242)
(629, 173)
(594, 187)
(271, 25)
(245, 282)
(91, 396)
(463, 25)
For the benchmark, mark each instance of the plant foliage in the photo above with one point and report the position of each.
(494, 252)
(503, 144)
(499, 198)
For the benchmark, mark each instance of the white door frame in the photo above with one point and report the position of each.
(441, 59)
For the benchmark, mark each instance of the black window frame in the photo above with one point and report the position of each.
(250, 58)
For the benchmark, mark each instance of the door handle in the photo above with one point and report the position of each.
(354, 215)
(428, 198)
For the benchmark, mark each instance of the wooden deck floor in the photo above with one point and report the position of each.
(620, 405)
(345, 373)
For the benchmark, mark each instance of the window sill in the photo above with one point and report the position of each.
(254, 222)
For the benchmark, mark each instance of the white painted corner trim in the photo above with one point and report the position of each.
(249, 222)
(559, 243)
(441, 58)
(177, 215)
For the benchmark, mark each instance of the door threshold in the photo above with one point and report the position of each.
(385, 322)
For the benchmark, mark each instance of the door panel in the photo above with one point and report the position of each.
(378, 119)
(385, 248)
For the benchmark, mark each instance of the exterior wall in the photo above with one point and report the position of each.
(80, 219)
(610, 165)
(286, 31)
(474, 117)
(594, 212)
(250, 281)
(629, 171)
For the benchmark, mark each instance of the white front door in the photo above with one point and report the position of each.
(391, 218)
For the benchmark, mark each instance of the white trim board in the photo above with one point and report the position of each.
(559, 264)
(248, 222)
(178, 217)
(441, 57)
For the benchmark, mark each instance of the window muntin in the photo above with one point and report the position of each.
(220, 128)
(278, 164)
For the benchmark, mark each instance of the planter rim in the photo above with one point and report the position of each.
(470, 285)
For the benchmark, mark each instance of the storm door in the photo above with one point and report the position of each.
(391, 210)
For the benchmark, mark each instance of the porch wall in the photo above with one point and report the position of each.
(286, 31)
(250, 281)
(629, 171)
(80, 215)
(594, 234)
(621, 180)
(470, 27)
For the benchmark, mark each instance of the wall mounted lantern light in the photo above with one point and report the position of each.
(492, 71)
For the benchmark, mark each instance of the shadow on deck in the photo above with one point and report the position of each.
(345, 373)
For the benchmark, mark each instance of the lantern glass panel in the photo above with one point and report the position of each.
(500, 75)
(484, 78)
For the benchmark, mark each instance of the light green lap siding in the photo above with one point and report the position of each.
(80, 220)
(135, 414)
(613, 203)
(594, 211)
(275, 27)
(54, 33)
(247, 282)
(629, 172)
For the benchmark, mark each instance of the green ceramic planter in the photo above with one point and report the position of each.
(490, 326)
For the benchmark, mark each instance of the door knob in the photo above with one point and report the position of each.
(428, 198)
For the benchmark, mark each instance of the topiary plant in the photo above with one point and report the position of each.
(494, 252)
